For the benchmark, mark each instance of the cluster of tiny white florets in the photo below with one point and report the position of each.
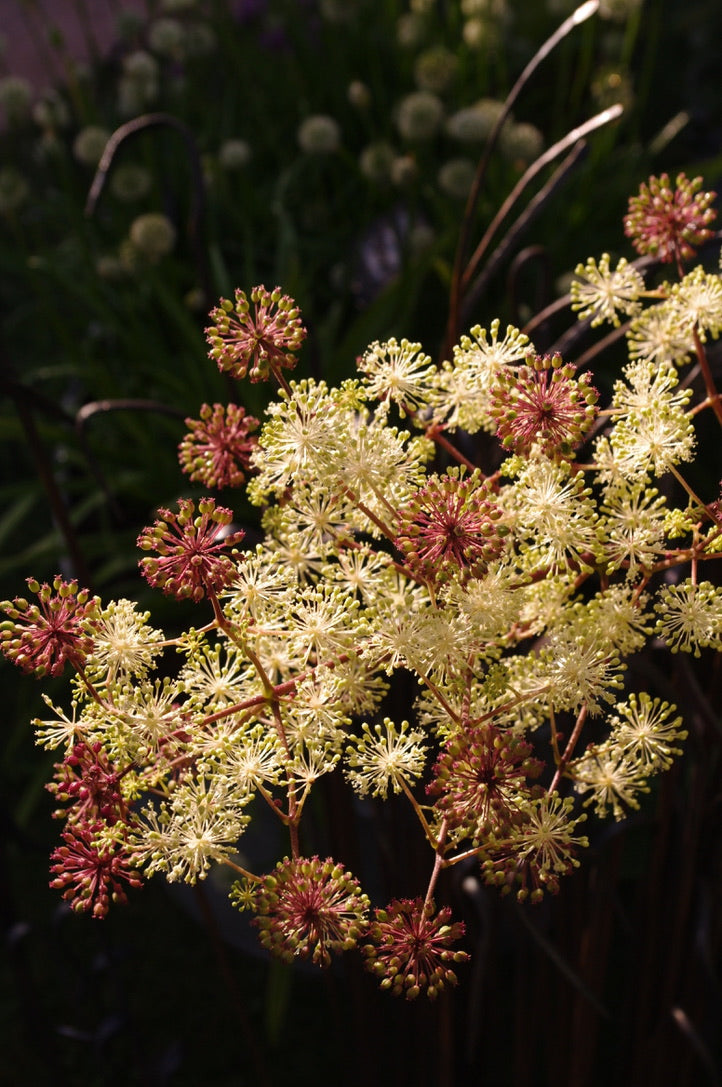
(511, 601)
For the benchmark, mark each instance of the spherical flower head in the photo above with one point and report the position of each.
(130, 182)
(166, 37)
(521, 143)
(397, 372)
(602, 293)
(234, 154)
(456, 177)
(435, 69)
(308, 907)
(217, 449)
(88, 782)
(319, 135)
(41, 638)
(16, 94)
(376, 162)
(190, 562)
(543, 404)
(152, 235)
(667, 222)
(89, 144)
(481, 780)
(419, 115)
(91, 875)
(257, 340)
(450, 529)
(410, 948)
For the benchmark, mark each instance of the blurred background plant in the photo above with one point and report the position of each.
(329, 146)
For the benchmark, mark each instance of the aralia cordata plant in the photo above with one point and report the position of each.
(511, 600)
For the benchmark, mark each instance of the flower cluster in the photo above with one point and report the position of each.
(309, 907)
(42, 638)
(191, 562)
(667, 221)
(542, 403)
(410, 948)
(451, 528)
(217, 449)
(256, 336)
(507, 603)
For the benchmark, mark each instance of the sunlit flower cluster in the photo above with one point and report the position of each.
(503, 602)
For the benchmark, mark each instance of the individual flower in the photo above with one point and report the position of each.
(308, 907)
(602, 293)
(543, 404)
(41, 638)
(451, 528)
(653, 430)
(139, 84)
(191, 562)
(217, 449)
(661, 334)
(481, 780)
(123, 642)
(398, 372)
(697, 301)
(51, 112)
(258, 341)
(404, 171)
(410, 948)
(376, 161)
(198, 825)
(634, 526)
(461, 389)
(90, 874)
(385, 757)
(690, 616)
(555, 519)
(646, 728)
(667, 222)
(319, 135)
(613, 779)
(410, 30)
